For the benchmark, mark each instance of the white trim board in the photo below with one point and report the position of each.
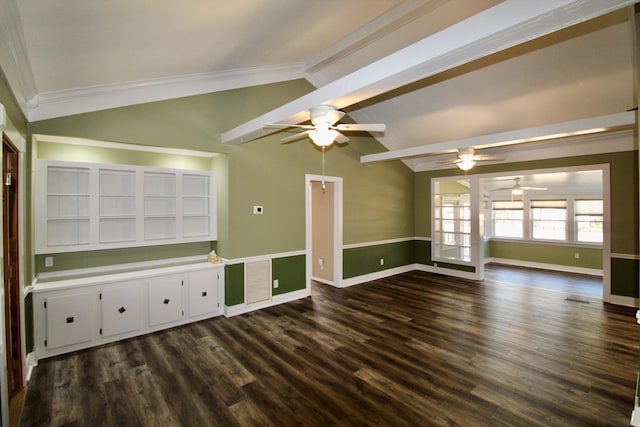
(121, 146)
(378, 243)
(48, 105)
(235, 310)
(356, 280)
(232, 261)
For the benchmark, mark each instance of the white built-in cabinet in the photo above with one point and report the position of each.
(77, 313)
(87, 206)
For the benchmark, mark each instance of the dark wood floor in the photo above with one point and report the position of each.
(414, 349)
(571, 283)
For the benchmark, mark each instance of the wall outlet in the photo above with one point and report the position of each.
(257, 210)
(276, 283)
(381, 261)
(48, 261)
(577, 255)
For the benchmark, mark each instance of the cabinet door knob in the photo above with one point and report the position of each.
(204, 293)
(122, 310)
(70, 319)
(166, 301)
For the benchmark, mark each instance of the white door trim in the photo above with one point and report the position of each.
(337, 227)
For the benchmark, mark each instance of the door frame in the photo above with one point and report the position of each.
(337, 227)
(28, 362)
(14, 297)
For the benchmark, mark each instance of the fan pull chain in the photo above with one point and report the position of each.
(324, 187)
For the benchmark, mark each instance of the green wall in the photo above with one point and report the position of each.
(378, 199)
(589, 257)
(14, 113)
(365, 260)
(289, 271)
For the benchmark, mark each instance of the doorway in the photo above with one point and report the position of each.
(11, 252)
(323, 199)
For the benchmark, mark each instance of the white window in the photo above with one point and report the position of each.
(549, 219)
(507, 219)
(588, 220)
(452, 226)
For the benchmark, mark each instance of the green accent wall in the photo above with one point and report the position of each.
(290, 273)
(365, 260)
(624, 277)
(547, 253)
(458, 267)
(106, 257)
(234, 284)
(28, 322)
(422, 252)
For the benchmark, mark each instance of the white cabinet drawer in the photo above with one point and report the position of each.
(203, 293)
(121, 308)
(77, 313)
(165, 300)
(69, 319)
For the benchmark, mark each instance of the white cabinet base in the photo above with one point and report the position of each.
(69, 318)
(121, 308)
(79, 313)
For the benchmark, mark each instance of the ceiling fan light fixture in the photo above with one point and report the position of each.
(323, 137)
(466, 162)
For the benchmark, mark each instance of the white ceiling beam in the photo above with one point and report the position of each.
(502, 26)
(553, 131)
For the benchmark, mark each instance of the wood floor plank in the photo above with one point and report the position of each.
(412, 349)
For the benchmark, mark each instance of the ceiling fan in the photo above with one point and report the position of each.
(323, 131)
(518, 190)
(467, 159)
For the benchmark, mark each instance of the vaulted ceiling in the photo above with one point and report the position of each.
(441, 74)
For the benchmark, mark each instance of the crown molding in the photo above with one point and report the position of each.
(13, 55)
(49, 105)
(85, 142)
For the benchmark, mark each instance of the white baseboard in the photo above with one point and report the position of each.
(375, 276)
(545, 266)
(622, 300)
(31, 362)
(447, 271)
(237, 309)
(324, 281)
(635, 414)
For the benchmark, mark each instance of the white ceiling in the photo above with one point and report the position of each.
(560, 61)
(584, 183)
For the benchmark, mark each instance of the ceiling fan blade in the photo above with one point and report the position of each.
(371, 127)
(448, 161)
(341, 139)
(334, 115)
(295, 137)
(487, 158)
(534, 188)
(286, 125)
